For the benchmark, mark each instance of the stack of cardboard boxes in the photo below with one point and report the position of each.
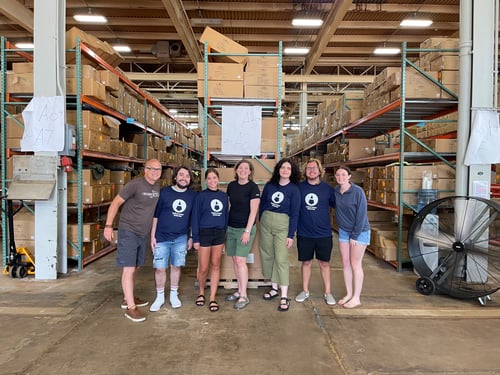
(240, 76)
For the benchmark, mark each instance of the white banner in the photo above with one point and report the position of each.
(44, 124)
(484, 139)
(241, 130)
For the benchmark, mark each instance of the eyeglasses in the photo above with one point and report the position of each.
(154, 169)
(311, 168)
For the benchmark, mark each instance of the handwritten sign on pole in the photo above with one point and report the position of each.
(44, 124)
(241, 130)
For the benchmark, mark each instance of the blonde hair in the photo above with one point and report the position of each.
(318, 164)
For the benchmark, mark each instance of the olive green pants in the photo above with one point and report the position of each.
(273, 232)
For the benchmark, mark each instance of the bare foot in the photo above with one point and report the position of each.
(344, 300)
(351, 304)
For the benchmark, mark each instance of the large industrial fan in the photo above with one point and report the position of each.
(454, 244)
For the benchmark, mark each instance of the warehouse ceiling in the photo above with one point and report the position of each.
(163, 36)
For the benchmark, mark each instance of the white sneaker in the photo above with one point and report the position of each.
(174, 300)
(157, 304)
(302, 296)
(329, 299)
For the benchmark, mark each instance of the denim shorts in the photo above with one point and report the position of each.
(363, 238)
(174, 250)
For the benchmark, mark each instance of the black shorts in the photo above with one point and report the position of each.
(212, 237)
(307, 247)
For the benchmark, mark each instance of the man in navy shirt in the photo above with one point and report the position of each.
(170, 235)
(314, 232)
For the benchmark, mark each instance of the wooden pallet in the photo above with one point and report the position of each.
(233, 283)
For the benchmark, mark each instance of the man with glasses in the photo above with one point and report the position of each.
(139, 198)
(314, 232)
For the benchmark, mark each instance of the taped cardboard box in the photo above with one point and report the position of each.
(222, 44)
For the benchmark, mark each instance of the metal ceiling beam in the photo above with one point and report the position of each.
(21, 15)
(179, 17)
(270, 6)
(192, 77)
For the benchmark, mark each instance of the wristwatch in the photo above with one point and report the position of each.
(247, 231)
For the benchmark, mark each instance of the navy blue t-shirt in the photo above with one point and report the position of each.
(314, 218)
(173, 212)
(282, 199)
(210, 211)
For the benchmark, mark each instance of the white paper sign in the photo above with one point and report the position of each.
(44, 124)
(241, 130)
(484, 139)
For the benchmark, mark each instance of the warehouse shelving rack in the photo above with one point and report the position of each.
(79, 102)
(399, 115)
(210, 104)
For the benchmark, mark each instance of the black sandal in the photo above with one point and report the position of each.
(200, 300)
(213, 306)
(286, 303)
(270, 295)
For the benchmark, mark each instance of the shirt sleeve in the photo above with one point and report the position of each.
(294, 212)
(362, 207)
(195, 218)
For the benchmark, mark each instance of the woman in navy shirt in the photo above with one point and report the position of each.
(279, 213)
(209, 225)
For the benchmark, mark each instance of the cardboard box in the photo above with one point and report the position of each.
(261, 62)
(22, 67)
(19, 83)
(268, 77)
(221, 89)
(263, 92)
(90, 231)
(24, 225)
(13, 127)
(222, 44)
(90, 88)
(356, 148)
(120, 177)
(221, 71)
(110, 80)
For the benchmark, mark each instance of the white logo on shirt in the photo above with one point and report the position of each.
(179, 206)
(277, 197)
(216, 205)
(311, 199)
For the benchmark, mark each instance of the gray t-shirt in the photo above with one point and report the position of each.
(139, 207)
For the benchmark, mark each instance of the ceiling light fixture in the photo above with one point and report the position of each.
(25, 45)
(411, 22)
(296, 51)
(90, 18)
(122, 48)
(386, 51)
(307, 22)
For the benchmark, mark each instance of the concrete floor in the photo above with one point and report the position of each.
(74, 325)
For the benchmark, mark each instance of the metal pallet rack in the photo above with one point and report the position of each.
(213, 103)
(399, 114)
(80, 102)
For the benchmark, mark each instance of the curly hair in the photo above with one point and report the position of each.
(294, 177)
